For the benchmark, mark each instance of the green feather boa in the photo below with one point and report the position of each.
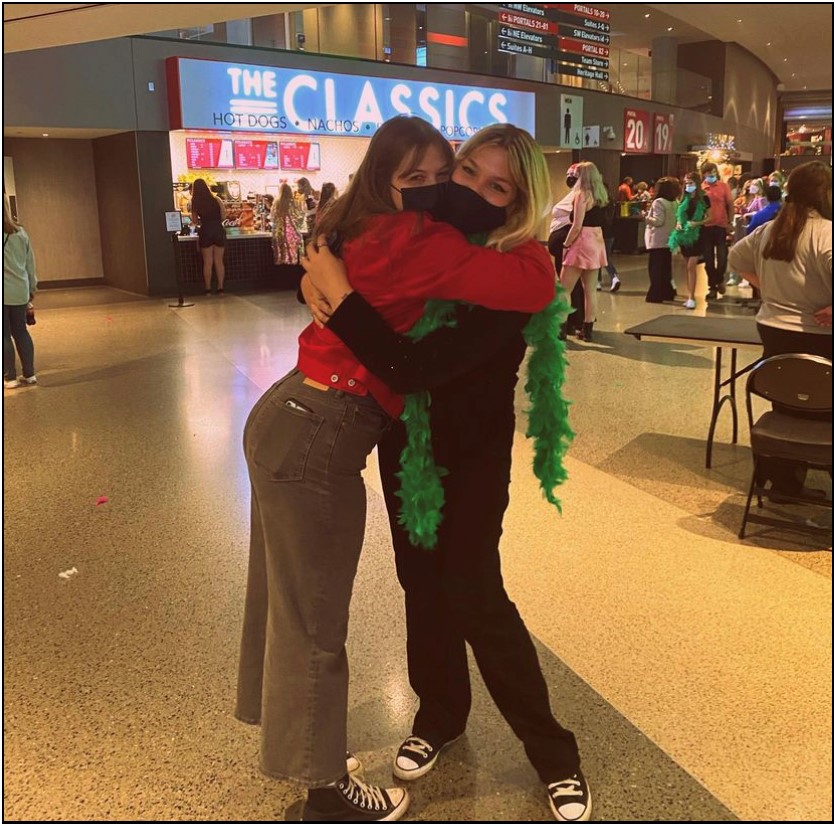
(421, 492)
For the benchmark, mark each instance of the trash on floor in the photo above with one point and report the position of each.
(67, 574)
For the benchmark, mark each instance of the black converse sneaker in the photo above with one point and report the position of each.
(351, 800)
(570, 799)
(416, 757)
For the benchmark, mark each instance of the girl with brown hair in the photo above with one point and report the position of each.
(208, 213)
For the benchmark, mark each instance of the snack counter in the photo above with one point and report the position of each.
(248, 260)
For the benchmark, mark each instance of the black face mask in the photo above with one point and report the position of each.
(456, 205)
(570, 182)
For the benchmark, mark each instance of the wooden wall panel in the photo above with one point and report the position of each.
(57, 204)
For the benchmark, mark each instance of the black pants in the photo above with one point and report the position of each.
(660, 269)
(455, 594)
(716, 254)
(787, 476)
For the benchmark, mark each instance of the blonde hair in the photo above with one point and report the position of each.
(529, 173)
(9, 226)
(589, 180)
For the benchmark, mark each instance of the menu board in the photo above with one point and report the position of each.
(299, 156)
(256, 155)
(208, 153)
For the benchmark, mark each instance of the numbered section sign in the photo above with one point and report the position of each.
(662, 134)
(636, 131)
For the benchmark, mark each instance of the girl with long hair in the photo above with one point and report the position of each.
(790, 260)
(585, 251)
(287, 218)
(306, 443)
(454, 594)
(20, 282)
(208, 213)
(326, 195)
(660, 220)
(691, 215)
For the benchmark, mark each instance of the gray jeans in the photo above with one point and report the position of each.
(305, 449)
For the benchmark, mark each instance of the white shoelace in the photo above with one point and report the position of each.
(418, 745)
(566, 788)
(364, 795)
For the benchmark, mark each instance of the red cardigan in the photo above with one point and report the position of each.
(399, 262)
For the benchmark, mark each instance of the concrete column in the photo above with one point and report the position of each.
(663, 66)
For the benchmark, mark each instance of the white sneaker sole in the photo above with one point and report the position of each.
(399, 811)
(583, 819)
(414, 774)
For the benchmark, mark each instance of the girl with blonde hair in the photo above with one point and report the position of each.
(288, 219)
(307, 440)
(454, 593)
(585, 251)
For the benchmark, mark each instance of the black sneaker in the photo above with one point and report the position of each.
(570, 799)
(351, 800)
(721, 288)
(711, 295)
(416, 757)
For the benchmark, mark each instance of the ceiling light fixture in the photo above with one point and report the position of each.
(46, 134)
(646, 16)
(670, 28)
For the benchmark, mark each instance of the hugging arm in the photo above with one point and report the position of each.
(408, 366)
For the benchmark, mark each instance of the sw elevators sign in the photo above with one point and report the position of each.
(571, 121)
(208, 94)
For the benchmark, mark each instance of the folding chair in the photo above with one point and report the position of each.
(796, 384)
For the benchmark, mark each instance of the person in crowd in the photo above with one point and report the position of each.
(661, 221)
(790, 260)
(758, 202)
(326, 195)
(772, 208)
(777, 178)
(307, 200)
(455, 594)
(715, 229)
(307, 439)
(287, 218)
(559, 228)
(744, 197)
(625, 190)
(608, 229)
(734, 186)
(208, 213)
(642, 194)
(691, 214)
(585, 252)
(20, 281)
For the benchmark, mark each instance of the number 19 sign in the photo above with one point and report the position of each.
(662, 134)
(636, 131)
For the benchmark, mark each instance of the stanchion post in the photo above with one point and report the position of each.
(174, 223)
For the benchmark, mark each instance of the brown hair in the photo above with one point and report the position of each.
(9, 226)
(202, 197)
(401, 139)
(809, 187)
(668, 188)
(709, 166)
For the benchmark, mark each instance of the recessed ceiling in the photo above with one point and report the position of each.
(795, 40)
(50, 133)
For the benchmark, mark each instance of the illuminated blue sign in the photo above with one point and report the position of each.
(205, 94)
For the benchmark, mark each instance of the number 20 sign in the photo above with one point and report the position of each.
(636, 131)
(662, 134)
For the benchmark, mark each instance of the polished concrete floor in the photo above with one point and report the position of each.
(695, 668)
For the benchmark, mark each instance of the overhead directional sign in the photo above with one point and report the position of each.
(572, 35)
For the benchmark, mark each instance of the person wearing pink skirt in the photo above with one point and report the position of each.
(584, 249)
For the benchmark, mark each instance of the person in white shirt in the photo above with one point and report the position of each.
(19, 284)
(790, 259)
